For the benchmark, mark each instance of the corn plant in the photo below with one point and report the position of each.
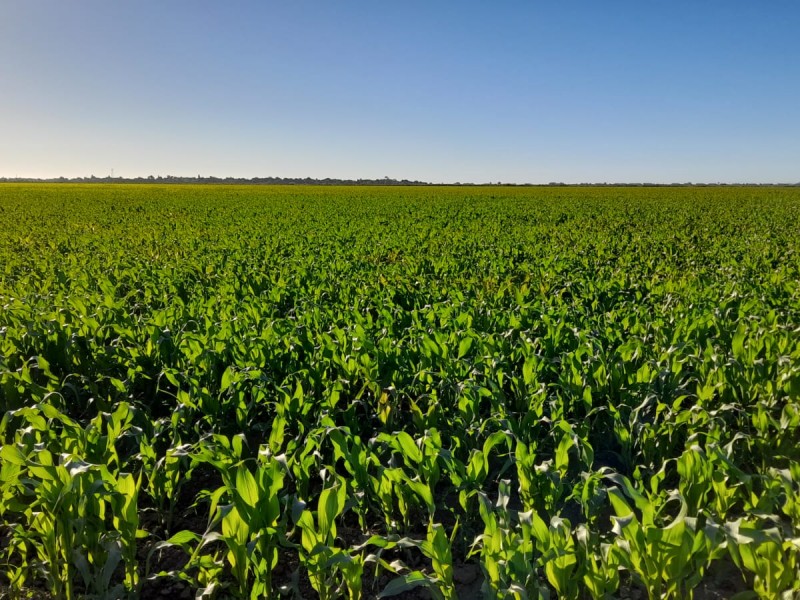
(600, 563)
(63, 523)
(359, 461)
(437, 547)
(165, 476)
(710, 480)
(318, 534)
(507, 550)
(251, 524)
(668, 561)
(61, 502)
(400, 494)
(773, 560)
(558, 554)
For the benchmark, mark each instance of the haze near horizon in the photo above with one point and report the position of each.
(519, 92)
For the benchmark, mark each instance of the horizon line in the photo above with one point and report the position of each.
(383, 181)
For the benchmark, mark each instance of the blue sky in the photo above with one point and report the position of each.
(511, 91)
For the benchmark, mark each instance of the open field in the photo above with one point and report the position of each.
(563, 392)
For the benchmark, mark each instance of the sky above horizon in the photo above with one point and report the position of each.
(534, 91)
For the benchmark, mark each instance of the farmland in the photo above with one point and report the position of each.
(238, 391)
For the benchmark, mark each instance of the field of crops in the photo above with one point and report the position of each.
(248, 392)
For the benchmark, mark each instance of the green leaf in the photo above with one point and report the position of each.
(617, 499)
(405, 583)
(227, 379)
(13, 455)
(170, 377)
(424, 492)
(126, 485)
(331, 503)
(464, 347)
(529, 370)
(562, 452)
(246, 486)
(737, 344)
(408, 446)
(540, 529)
(183, 537)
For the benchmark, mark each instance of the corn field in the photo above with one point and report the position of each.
(358, 392)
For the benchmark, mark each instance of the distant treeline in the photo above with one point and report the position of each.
(218, 180)
(328, 181)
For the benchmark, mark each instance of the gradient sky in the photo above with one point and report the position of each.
(441, 91)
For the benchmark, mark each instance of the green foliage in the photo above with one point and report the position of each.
(341, 378)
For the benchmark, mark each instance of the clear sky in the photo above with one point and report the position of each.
(444, 91)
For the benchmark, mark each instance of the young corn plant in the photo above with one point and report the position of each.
(558, 554)
(773, 560)
(470, 477)
(710, 480)
(78, 519)
(351, 566)
(507, 550)
(358, 461)
(318, 551)
(541, 486)
(423, 455)
(600, 564)
(544, 485)
(400, 494)
(306, 462)
(63, 522)
(165, 476)
(667, 561)
(124, 502)
(251, 524)
(437, 547)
